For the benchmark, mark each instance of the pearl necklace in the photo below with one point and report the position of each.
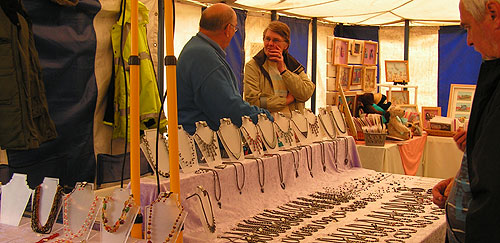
(121, 220)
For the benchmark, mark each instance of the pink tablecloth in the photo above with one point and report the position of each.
(411, 152)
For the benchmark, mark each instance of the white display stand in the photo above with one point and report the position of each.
(208, 143)
(204, 212)
(231, 139)
(15, 196)
(48, 191)
(164, 216)
(252, 137)
(114, 210)
(400, 87)
(300, 126)
(315, 132)
(285, 132)
(268, 131)
(81, 207)
(340, 122)
(327, 124)
(148, 146)
(188, 159)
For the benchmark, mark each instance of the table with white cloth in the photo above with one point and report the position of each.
(442, 158)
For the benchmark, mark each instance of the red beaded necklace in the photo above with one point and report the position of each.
(162, 198)
(121, 220)
(68, 234)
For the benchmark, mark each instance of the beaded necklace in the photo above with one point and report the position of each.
(149, 152)
(209, 148)
(255, 143)
(211, 227)
(68, 234)
(273, 143)
(56, 205)
(288, 135)
(226, 145)
(129, 203)
(162, 198)
(192, 152)
(314, 126)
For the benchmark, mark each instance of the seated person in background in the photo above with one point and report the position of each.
(274, 80)
(206, 85)
(369, 106)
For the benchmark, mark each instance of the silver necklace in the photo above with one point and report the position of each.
(226, 145)
(288, 135)
(304, 133)
(209, 148)
(337, 123)
(332, 134)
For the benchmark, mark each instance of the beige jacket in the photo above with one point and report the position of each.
(259, 91)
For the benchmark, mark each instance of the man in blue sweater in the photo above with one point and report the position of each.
(206, 85)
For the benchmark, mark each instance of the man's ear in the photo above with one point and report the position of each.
(493, 12)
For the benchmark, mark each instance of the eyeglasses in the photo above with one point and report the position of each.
(234, 27)
(275, 40)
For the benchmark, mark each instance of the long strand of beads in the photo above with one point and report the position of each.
(121, 220)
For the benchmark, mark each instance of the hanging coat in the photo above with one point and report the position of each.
(148, 95)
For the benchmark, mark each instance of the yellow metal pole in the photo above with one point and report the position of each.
(134, 62)
(172, 102)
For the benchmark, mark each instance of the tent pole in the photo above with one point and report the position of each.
(134, 113)
(274, 15)
(170, 62)
(407, 39)
(314, 60)
(161, 49)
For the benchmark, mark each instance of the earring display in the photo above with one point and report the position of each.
(165, 217)
(300, 127)
(230, 136)
(339, 120)
(148, 146)
(208, 219)
(267, 129)
(327, 123)
(188, 158)
(55, 206)
(208, 143)
(313, 123)
(252, 137)
(286, 136)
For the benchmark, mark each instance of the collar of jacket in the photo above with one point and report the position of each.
(291, 63)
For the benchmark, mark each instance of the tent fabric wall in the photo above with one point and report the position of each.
(299, 38)
(236, 49)
(458, 63)
(71, 92)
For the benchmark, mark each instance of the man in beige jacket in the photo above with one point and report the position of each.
(274, 80)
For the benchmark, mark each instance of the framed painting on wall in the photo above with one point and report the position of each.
(460, 101)
(397, 71)
(356, 78)
(399, 97)
(428, 113)
(344, 76)
(357, 47)
(340, 49)
(369, 79)
(351, 101)
(370, 53)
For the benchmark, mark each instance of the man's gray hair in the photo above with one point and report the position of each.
(477, 8)
(214, 21)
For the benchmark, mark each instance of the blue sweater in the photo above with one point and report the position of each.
(207, 87)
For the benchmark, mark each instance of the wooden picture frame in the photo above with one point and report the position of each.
(343, 77)
(370, 51)
(369, 79)
(427, 114)
(399, 97)
(351, 98)
(460, 100)
(411, 112)
(356, 78)
(357, 47)
(397, 71)
(340, 51)
(348, 116)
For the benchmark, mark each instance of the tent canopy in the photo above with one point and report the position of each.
(366, 12)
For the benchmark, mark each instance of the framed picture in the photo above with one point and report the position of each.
(339, 51)
(351, 101)
(460, 100)
(356, 47)
(399, 97)
(397, 71)
(411, 112)
(369, 79)
(348, 115)
(428, 113)
(370, 53)
(356, 77)
(344, 76)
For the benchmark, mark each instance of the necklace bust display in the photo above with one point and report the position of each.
(339, 120)
(208, 143)
(252, 137)
(230, 137)
(188, 158)
(313, 123)
(268, 132)
(327, 123)
(148, 146)
(286, 137)
(300, 126)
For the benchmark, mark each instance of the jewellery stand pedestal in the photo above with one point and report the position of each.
(114, 210)
(300, 126)
(231, 139)
(164, 217)
(339, 120)
(315, 133)
(282, 125)
(15, 196)
(80, 217)
(203, 211)
(268, 131)
(252, 137)
(47, 193)
(188, 159)
(327, 124)
(149, 149)
(206, 136)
